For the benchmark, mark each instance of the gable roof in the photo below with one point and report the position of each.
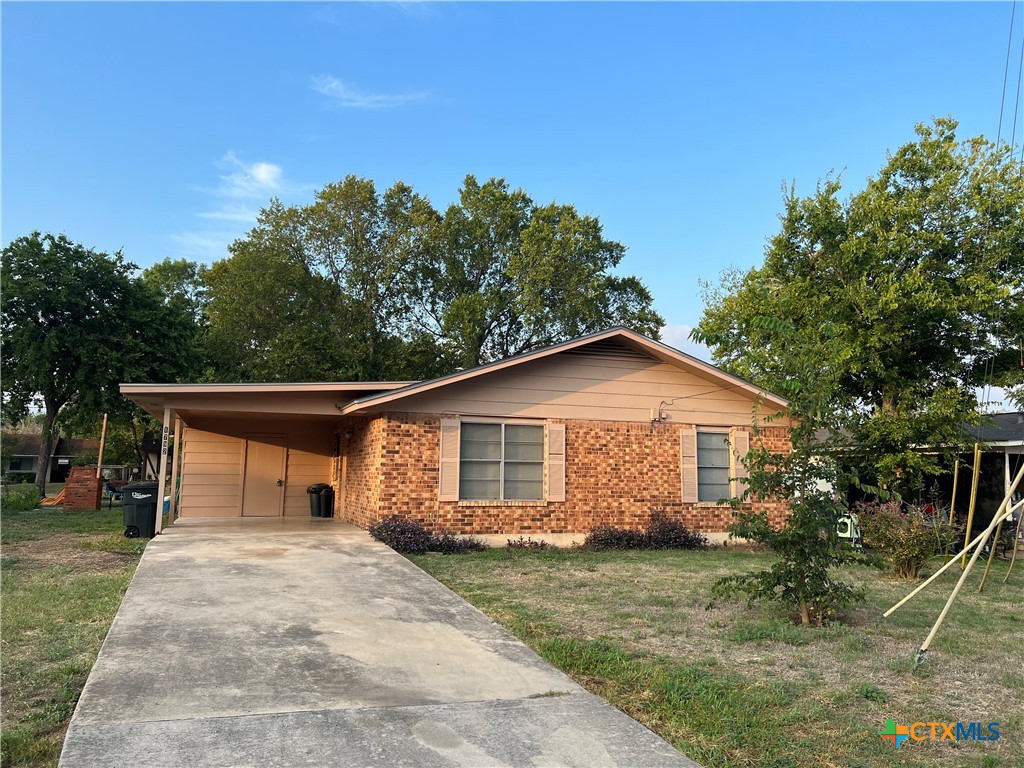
(20, 444)
(998, 428)
(622, 336)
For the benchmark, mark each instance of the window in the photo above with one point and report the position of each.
(712, 466)
(501, 461)
(22, 464)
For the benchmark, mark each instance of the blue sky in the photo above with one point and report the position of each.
(161, 129)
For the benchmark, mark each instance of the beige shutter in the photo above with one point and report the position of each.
(688, 450)
(556, 462)
(739, 439)
(448, 474)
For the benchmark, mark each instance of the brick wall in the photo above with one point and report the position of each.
(362, 451)
(82, 489)
(617, 473)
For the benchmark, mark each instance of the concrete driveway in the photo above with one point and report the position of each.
(306, 643)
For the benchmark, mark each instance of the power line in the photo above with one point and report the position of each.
(1006, 73)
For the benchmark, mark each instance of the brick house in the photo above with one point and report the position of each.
(600, 430)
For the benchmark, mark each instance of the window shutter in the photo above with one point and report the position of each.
(556, 462)
(688, 450)
(448, 471)
(739, 438)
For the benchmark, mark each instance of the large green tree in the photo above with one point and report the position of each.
(74, 324)
(505, 275)
(366, 285)
(908, 294)
(321, 292)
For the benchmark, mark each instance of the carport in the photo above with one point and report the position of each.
(249, 450)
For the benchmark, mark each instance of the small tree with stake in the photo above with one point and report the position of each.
(807, 543)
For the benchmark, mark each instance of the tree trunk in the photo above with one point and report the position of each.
(45, 447)
(140, 458)
(805, 615)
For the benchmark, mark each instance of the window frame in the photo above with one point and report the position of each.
(502, 461)
(728, 468)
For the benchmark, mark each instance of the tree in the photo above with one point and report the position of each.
(322, 291)
(365, 285)
(908, 292)
(505, 276)
(271, 318)
(74, 324)
(181, 283)
(807, 544)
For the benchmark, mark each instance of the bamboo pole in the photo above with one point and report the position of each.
(1016, 539)
(991, 555)
(1003, 511)
(952, 505)
(103, 441)
(976, 471)
(974, 542)
(999, 528)
(945, 609)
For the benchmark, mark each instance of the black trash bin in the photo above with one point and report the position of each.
(327, 502)
(140, 505)
(315, 492)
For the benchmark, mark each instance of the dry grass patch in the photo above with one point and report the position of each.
(733, 686)
(63, 577)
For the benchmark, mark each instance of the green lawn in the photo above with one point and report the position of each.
(63, 577)
(734, 686)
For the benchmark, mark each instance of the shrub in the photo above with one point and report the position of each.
(604, 538)
(402, 535)
(411, 538)
(661, 533)
(21, 499)
(16, 478)
(664, 533)
(526, 544)
(85, 459)
(447, 544)
(906, 535)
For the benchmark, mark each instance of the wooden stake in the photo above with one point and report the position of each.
(974, 497)
(952, 505)
(1003, 512)
(1016, 539)
(991, 555)
(103, 440)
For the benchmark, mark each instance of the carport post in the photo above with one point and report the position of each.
(162, 477)
(174, 469)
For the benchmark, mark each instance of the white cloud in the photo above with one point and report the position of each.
(678, 336)
(248, 180)
(232, 208)
(344, 94)
(231, 213)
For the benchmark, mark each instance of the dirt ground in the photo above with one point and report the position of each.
(83, 554)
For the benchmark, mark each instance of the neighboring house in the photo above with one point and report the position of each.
(1001, 438)
(601, 430)
(21, 452)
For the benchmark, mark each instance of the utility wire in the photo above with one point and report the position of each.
(1006, 73)
(1016, 99)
